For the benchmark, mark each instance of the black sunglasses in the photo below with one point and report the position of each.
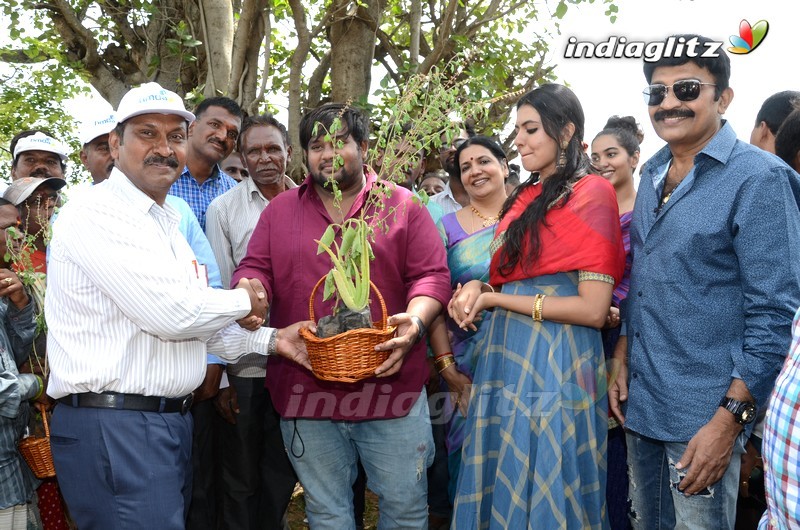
(684, 90)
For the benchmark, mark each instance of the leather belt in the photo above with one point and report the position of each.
(114, 400)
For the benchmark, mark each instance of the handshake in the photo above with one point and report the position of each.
(288, 342)
(258, 304)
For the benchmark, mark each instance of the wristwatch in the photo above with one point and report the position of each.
(420, 327)
(272, 345)
(743, 411)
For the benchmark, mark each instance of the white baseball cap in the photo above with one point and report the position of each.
(21, 189)
(41, 142)
(150, 98)
(97, 126)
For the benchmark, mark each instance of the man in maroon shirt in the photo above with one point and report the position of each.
(382, 420)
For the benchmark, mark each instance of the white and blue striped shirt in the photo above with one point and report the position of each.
(125, 309)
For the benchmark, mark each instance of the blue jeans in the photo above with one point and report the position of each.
(395, 454)
(656, 502)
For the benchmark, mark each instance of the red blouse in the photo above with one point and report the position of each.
(582, 235)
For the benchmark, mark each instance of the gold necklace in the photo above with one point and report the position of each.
(487, 221)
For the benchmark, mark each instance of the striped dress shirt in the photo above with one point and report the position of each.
(446, 201)
(782, 444)
(125, 308)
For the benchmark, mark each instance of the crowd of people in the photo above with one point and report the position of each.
(571, 350)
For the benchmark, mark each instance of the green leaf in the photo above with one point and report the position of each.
(561, 10)
(348, 237)
(327, 239)
(330, 287)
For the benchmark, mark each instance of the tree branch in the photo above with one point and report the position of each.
(316, 79)
(442, 43)
(20, 57)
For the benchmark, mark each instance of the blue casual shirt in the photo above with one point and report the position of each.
(197, 239)
(200, 196)
(714, 284)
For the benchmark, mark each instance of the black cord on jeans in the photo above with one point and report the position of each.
(296, 433)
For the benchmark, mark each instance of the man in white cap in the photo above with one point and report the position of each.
(35, 199)
(96, 156)
(130, 320)
(95, 153)
(38, 155)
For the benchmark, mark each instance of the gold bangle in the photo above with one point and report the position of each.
(441, 357)
(444, 363)
(541, 307)
(439, 361)
(538, 302)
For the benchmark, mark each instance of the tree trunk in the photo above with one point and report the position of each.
(254, 24)
(415, 28)
(352, 38)
(216, 32)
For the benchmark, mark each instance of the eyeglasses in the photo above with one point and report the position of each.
(455, 144)
(684, 90)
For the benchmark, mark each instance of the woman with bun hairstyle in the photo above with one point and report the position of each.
(534, 451)
(615, 155)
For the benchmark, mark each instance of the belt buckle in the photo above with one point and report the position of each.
(187, 403)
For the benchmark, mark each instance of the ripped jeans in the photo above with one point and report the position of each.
(395, 453)
(656, 503)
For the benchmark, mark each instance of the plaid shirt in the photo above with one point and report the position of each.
(200, 196)
(782, 444)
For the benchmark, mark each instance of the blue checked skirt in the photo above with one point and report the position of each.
(534, 453)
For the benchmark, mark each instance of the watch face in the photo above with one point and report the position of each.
(748, 413)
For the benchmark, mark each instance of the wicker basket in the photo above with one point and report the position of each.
(350, 356)
(36, 450)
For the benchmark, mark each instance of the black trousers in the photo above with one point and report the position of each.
(257, 477)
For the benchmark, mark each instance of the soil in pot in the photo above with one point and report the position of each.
(342, 321)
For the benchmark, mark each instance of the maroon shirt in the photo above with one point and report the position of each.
(410, 261)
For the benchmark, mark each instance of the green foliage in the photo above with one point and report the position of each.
(493, 41)
(35, 100)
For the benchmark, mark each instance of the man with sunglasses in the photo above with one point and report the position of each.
(714, 285)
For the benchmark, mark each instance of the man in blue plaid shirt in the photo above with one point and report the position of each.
(212, 138)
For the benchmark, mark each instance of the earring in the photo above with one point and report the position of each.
(562, 156)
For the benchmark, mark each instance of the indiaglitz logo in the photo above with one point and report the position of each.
(749, 37)
(622, 48)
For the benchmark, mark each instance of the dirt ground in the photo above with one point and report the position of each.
(297, 513)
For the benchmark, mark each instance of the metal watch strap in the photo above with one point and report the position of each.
(737, 408)
(272, 345)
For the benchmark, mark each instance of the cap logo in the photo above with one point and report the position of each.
(110, 120)
(161, 96)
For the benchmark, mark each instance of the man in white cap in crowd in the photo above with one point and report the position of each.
(35, 199)
(95, 153)
(38, 155)
(130, 321)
